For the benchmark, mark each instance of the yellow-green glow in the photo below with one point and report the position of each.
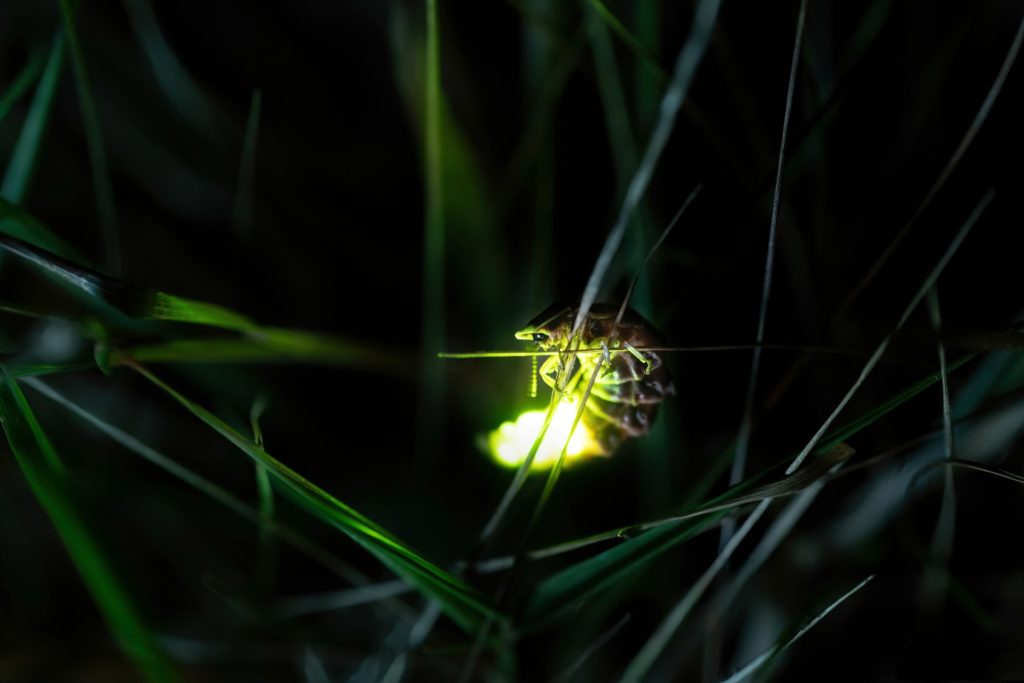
(510, 443)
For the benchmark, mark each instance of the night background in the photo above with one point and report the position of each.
(236, 236)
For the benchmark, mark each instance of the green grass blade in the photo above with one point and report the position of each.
(643, 54)
(28, 74)
(17, 224)
(204, 486)
(686, 67)
(869, 366)
(647, 19)
(174, 79)
(26, 150)
(41, 466)
(267, 563)
(433, 333)
(275, 345)
(94, 140)
(655, 645)
(564, 589)
(460, 602)
(781, 646)
(179, 309)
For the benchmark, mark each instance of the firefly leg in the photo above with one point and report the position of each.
(650, 362)
(549, 371)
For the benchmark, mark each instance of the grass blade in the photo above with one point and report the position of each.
(644, 659)
(783, 646)
(432, 380)
(45, 474)
(21, 83)
(247, 167)
(686, 67)
(94, 140)
(459, 601)
(958, 153)
(16, 224)
(176, 82)
(204, 486)
(876, 356)
(26, 150)
(276, 345)
(643, 54)
(589, 576)
(739, 462)
(942, 539)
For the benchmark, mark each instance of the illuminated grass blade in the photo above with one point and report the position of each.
(26, 149)
(46, 476)
(781, 646)
(275, 345)
(459, 601)
(564, 589)
(204, 486)
(94, 140)
(568, 587)
(686, 66)
(21, 83)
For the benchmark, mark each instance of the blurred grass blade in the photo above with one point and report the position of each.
(780, 647)
(94, 140)
(21, 83)
(647, 20)
(929, 282)
(969, 465)
(460, 602)
(247, 167)
(275, 345)
(945, 525)
(642, 662)
(204, 486)
(587, 577)
(958, 153)
(266, 565)
(570, 586)
(169, 307)
(26, 149)
(45, 474)
(17, 224)
(179, 87)
(643, 54)
(686, 67)
(302, 605)
(431, 393)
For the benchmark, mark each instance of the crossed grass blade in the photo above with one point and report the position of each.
(460, 602)
(49, 482)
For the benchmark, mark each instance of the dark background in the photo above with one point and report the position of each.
(885, 92)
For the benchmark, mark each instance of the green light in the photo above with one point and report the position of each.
(510, 443)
